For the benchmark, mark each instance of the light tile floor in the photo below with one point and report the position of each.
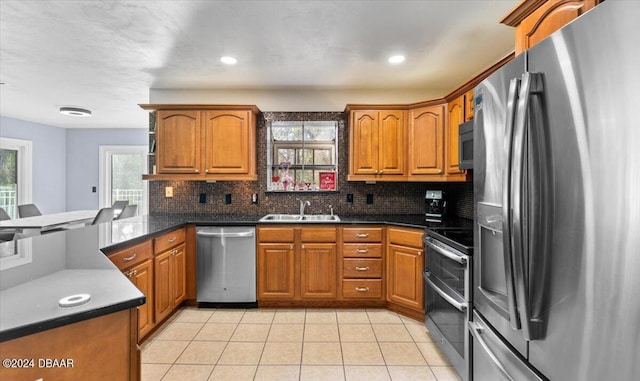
(292, 344)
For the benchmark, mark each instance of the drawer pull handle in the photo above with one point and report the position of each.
(362, 251)
(362, 289)
(362, 235)
(131, 258)
(172, 240)
(362, 268)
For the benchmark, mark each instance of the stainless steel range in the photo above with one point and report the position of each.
(447, 276)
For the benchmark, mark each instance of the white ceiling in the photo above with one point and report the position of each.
(108, 55)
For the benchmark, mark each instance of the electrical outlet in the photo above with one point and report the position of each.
(369, 198)
(168, 191)
(254, 198)
(227, 198)
(350, 198)
(203, 198)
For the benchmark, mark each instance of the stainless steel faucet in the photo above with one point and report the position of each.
(302, 205)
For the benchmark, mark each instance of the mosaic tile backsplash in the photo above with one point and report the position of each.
(388, 198)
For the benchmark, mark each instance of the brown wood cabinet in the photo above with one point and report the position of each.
(205, 142)
(276, 267)
(297, 263)
(169, 272)
(137, 264)
(426, 143)
(405, 286)
(102, 348)
(362, 263)
(534, 20)
(469, 105)
(455, 113)
(377, 145)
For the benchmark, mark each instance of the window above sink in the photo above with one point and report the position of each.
(302, 156)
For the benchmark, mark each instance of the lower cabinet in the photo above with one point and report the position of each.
(276, 271)
(170, 284)
(405, 253)
(142, 277)
(318, 271)
(362, 263)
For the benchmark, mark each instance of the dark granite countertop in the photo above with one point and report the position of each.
(35, 273)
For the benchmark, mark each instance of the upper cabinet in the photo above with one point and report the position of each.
(204, 142)
(377, 145)
(534, 20)
(426, 141)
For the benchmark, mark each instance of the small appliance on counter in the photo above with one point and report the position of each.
(436, 205)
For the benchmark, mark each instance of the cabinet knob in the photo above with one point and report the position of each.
(420, 253)
(303, 246)
(439, 171)
(197, 171)
(291, 247)
(376, 172)
(381, 171)
(206, 171)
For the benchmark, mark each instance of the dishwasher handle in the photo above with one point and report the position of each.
(226, 235)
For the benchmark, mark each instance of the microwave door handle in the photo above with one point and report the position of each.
(530, 186)
(476, 331)
(514, 87)
(457, 305)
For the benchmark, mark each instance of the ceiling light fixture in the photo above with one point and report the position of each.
(75, 111)
(396, 59)
(228, 60)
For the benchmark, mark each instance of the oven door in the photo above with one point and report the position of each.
(446, 277)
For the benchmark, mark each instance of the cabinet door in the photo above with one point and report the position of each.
(391, 143)
(229, 142)
(551, 16)
(404, 281)
(318, 271)
(426, 141)
(276, 271)
(178, 141)
(363, 139)
(178, 279)
(142, 277)
(455, 113)
(162, 273)
(468, 105)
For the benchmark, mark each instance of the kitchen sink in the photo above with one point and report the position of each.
(299, 218)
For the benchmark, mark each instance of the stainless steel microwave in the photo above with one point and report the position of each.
(465, 149)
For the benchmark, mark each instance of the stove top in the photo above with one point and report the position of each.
(459, 238)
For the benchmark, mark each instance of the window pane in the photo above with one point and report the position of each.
(319, 131)
(286, 131)
(126, 178)
(305, 156)
(285, 155)
(323, 157)
(8, 181)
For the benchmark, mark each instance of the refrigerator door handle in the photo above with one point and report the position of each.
(476, 331)
(514, 87)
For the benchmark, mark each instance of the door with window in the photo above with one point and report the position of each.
(121, 170)
(15, 174)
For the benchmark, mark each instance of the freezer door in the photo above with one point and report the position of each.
(591, 80)
(492, 359)
(494, 291)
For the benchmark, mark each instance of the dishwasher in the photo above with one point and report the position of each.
(226, 266)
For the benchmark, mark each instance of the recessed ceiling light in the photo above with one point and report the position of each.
(75, 111)
(3, 83)
(396, 59)
(228, 60)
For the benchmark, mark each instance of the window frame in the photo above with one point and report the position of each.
(24, 193)
(104, 182)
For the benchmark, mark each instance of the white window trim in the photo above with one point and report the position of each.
(104, 181)
(25, 167)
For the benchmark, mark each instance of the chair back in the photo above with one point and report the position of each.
(128, 211)
(104, 215)
(28, 210)
(3, 215)
(118, 206)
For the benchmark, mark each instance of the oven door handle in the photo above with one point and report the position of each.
(459, 306)
(445, 252)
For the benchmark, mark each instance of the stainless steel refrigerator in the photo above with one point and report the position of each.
(557, 189)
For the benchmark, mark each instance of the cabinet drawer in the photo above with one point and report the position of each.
(362, 250)
(362, 268)
(362, 288)
(362, 234)
(275, 234)
(168, 240)
(318, 235)
(132, 256)
(405, 237)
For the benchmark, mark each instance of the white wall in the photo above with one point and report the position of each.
(82, 163)
(49, 156)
